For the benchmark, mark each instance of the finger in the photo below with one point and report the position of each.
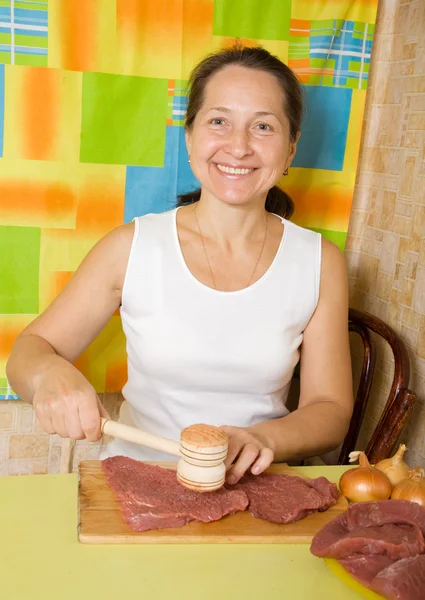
(73, 425)
(235, 444)
(229, 429)
(53, 409)
(90, 419)
(45, 421)
(102, 410)
(235, 447)
(263, 461)
(247, 457)
(58, 422)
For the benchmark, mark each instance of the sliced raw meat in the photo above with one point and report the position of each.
(152, 498)
(286, 498)
(396, 541)
(329, 535)
(367, 514)
(403, 580)
(365, 568)
(381, 544)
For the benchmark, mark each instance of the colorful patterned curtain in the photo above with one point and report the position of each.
(92, 102)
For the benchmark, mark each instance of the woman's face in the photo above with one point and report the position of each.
(239, 144)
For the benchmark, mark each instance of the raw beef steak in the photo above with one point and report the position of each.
(403, 580)
(152, 498)
(340, 539)
(365, 568)
(381, 544)
(367, 514)
(286, 498)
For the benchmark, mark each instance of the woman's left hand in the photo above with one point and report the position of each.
(247, 451)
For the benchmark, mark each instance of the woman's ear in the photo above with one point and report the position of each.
(188, 139)
(293, 148)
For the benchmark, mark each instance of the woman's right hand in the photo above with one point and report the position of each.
(67, 404)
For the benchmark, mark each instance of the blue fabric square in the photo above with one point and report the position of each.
(324, 129)
(1, 108)
(155, 189)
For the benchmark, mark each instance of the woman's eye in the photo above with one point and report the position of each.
(264, 127)
(217, 121)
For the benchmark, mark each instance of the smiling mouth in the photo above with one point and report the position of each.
(233, 171)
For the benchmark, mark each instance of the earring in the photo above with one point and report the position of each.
(285, 173)
(189, 160)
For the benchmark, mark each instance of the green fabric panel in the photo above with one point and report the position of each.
(19, 269)
(32, 60)
(258, 19)
(29, 5)
(123, 120)
(30, 40)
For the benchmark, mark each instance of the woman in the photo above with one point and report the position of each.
(219, 297)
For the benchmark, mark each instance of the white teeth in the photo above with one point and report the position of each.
(233, 171)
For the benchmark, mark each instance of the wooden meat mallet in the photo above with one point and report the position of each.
(202, 450)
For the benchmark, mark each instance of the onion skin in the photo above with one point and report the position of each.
(412, 488)
(395, 468)
(365, 483)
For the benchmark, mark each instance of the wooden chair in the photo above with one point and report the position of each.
(400, 400)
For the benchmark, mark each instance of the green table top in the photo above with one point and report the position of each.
(40, 557)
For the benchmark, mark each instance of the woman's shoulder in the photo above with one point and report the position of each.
(331, 253)
(329, 250)
(334, 268)
(301, 239)
(123, 235)
(156, 217)
(310, 243)
(119, 236)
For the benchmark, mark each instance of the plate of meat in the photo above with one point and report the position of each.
(126, 501)
(378, 548)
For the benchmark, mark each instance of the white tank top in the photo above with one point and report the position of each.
(198, 355)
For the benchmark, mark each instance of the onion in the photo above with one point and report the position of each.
(365, 483)
(412, 488)
(395, 468)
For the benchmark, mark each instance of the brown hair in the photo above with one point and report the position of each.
(277, 200)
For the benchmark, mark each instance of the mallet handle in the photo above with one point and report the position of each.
(136, 436)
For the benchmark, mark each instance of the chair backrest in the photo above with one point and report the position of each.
(400, 400)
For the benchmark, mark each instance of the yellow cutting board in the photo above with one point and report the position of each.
(342, 574)
(100, 520)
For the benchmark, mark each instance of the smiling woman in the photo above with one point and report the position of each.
(219, 298)
(280, 118)
(235, 136)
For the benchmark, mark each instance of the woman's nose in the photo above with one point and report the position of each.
(238, 143)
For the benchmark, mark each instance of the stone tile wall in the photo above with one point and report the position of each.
(385, 248)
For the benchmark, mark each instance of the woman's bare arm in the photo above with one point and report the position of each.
(42, 356)
(322, 418)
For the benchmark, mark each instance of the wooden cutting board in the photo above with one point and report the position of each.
(100, 520)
